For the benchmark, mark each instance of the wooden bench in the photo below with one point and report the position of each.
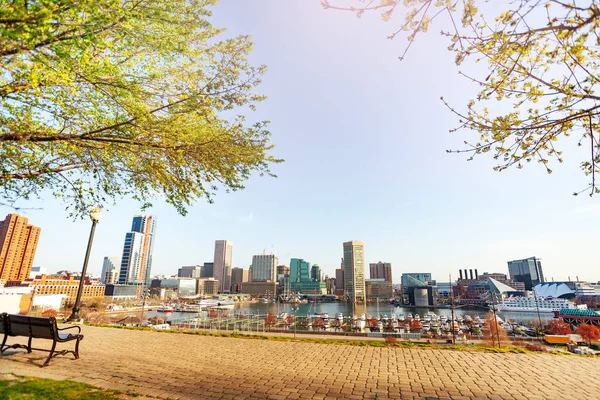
(38, 328)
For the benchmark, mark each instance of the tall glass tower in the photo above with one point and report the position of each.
(136, 262)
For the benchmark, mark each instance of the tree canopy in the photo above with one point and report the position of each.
(101, 99)
(543, 61)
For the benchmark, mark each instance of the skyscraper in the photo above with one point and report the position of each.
(529, 271)
(339, 281)
(222, 264)
(110, 270)
(354, 271)
(264, 268)
(18, 243)
(381, 270)
(136, 262)
(315, 273)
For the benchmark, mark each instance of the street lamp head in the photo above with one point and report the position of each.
(95, 214)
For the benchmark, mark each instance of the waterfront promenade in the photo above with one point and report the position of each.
(180, 366)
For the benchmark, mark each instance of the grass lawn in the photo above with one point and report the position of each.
(20, 388)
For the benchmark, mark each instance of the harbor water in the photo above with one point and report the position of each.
(349, 310)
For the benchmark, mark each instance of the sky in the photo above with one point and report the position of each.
(364, 137)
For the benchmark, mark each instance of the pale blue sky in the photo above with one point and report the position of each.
(364, 139)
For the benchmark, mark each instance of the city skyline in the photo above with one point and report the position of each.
(434, 213)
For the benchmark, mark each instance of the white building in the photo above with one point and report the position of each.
(110, 270)
(264, 268)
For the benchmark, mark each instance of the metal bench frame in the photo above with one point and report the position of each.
(39, 324)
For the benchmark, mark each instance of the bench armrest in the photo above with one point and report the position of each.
(71, 327)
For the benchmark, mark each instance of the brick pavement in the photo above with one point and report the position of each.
(179, 366)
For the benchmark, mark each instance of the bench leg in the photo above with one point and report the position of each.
(76, 354)
(29, 345)
(51, 353)
(3, 344)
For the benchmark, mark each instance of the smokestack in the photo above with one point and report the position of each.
(576, 277)
(466, 274)
(460, 273)
(476, 275)
(569, 279)
(471, 274)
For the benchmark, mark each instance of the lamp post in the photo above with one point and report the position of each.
(95, 215)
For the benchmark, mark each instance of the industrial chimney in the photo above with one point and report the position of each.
(460, 273)
(471, 274)
(476, 275)
(466, 274)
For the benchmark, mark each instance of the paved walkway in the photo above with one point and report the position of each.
(179, 366)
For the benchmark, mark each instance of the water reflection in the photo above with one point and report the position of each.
(347, 309)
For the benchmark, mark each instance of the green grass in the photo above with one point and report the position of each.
(28, 388)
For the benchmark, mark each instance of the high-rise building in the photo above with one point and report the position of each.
(222, 264)
(529, 271)
(136, 262)
(299, 270)
(339, 281)
(315, 273)
(354, 271)
(238, 276)
(194, 271)
(381, 270)
(300, 278)
(18, 243)
(264, 268)
(110, 270)
(208, 270)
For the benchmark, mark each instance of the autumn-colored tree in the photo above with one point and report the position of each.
(415, 325)
(49, 313)
(372, 323)
(588, 332)
(101, 99)
(213, 314)
(493, 334)
(542, 58)
(318, 324)
(270, 320)
(335, 324)
(558, 327)
(289, 319)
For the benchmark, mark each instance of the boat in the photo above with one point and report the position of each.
(417, 317)
(215, 304)
(533, 304)
(339, 316)
(164, 309)
(409, 316)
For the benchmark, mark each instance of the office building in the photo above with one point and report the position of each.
(381, 270)
(354, 271)
(261, 289)
(264, 268)
(136, 262)
(339, 281)
(222, 264)
(207, 286)
(110, 270)
(66, 285)
(283, 277)
(301, 280)
(190, 272)
(529, 271)
(378, 289)
(208, 270)
(18, 243)
(238, 277)
(315, 273)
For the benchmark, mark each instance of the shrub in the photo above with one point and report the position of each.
(391, 339)
(535, 347)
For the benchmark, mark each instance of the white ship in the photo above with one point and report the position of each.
(214, 304)
(532, 304)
